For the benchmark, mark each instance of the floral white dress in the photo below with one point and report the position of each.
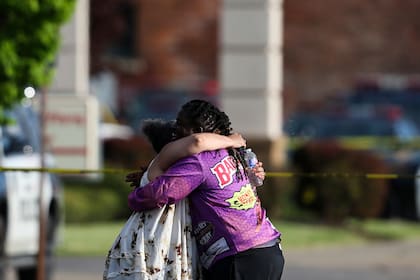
(154, 244)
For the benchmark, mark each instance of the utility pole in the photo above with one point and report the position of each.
(251, 74)
(42, 213)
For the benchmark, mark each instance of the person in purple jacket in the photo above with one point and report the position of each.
(235, 238)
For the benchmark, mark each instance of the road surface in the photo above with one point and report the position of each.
(375, 261)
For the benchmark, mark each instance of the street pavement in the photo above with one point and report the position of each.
(374, 261)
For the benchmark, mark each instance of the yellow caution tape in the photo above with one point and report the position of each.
(66, 170)
(333, 175)
(268, 174)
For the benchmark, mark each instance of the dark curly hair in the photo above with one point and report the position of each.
(201, 116)
(159, 132)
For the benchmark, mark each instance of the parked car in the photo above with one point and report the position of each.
(404, 95)
(20, 193)
(367, 126)
(380, 131)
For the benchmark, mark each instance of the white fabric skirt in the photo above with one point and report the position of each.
(155, 244)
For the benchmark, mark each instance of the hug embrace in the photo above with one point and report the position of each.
(196, 214)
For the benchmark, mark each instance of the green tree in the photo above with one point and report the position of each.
(29, 40)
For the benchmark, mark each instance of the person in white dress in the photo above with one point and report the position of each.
(158, 244)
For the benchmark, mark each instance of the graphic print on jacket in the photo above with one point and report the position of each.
(225, 171)
(226, 215)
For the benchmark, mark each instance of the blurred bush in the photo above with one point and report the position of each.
(343, 192)
(338, 188)
(96, 200)
(105, 198)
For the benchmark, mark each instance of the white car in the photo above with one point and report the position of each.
(19, 196)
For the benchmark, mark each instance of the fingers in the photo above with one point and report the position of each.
(260, 174)
(259, 170)
(133, 178)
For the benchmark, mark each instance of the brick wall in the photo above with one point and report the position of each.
(327, 43)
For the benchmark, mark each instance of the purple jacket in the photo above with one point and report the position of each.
(226, 215)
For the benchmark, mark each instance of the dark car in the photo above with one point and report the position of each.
(382, 132)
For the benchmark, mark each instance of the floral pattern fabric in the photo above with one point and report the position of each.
(154, 245)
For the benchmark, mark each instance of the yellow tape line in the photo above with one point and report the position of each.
(268, 174)
(65, 170)
(386, 176)
(335, 175)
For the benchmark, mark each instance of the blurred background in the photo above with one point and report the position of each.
(333, 88)
(350, 85)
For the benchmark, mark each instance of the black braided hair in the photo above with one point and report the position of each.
(202, 116)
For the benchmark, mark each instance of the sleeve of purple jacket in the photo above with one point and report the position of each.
(175, 184)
